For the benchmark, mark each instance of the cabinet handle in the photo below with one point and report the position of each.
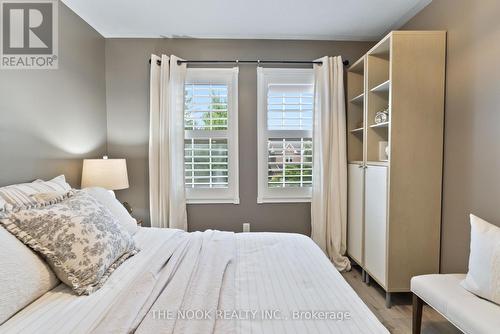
(360, 166)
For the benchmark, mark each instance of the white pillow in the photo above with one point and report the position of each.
(24, 276)
(108, 199)
(483, 278)
(30, 194)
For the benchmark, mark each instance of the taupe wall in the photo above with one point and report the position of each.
(472, 130)
(51, 119)
(127, 80)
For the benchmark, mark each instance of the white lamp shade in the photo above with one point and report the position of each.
(110, 174)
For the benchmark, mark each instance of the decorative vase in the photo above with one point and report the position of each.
(382, 116)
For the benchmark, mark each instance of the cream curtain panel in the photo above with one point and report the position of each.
(167, 198)
(329, 195)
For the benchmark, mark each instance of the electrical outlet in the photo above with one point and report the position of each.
(246, 227)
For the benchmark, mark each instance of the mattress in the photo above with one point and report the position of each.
(273, 283)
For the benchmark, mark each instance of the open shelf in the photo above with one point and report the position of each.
(382, 88)
(356, 90)
(378, 86)
(358, 99)
(382, 49)
(357, 130)
(358, 67)
(380, 125)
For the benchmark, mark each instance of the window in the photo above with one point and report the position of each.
(211, 135)
(285, 116)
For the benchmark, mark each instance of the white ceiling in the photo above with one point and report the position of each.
(268, 19)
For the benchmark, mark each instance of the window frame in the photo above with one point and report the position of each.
(266, 76)
(229, 77)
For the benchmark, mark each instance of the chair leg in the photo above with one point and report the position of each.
(417, 314)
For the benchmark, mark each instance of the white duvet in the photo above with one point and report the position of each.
(209, 282)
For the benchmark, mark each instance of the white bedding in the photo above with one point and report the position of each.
(278, 273)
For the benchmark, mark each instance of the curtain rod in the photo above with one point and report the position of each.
(258, 62)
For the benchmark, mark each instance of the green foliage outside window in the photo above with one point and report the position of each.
(210, 120)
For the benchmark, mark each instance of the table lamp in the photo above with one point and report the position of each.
(106, 173)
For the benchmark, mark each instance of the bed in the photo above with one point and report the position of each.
(208, 282)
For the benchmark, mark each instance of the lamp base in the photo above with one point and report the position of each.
(128, 207)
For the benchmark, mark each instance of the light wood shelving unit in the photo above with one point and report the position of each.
(394, 206)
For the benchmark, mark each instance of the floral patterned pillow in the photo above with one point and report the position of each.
(80, 239)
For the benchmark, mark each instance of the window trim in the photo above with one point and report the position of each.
(265, 76)
(228, 76)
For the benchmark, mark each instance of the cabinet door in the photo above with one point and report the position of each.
(355, 174)
(376, 222)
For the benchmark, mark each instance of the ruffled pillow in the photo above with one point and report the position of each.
(33, 193)
(80, 239)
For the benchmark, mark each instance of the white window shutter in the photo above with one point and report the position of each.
(211, 136)
(285, 116)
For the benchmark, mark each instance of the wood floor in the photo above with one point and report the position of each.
(397, 319)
